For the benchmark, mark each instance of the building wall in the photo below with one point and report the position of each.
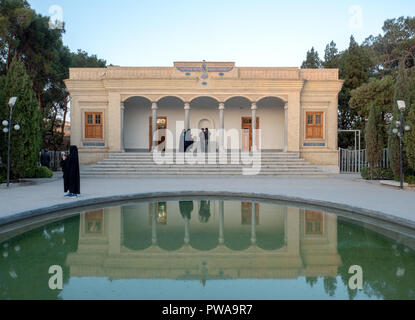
(136, 123)
(299, 90)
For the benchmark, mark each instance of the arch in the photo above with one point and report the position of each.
(206, 118)
(200, 97)
(230, 98)
(266, 97)
(135, 96)
(171, 98)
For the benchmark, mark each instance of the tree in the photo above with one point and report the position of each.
(395, 45)
(409, 137)
(331, 56)
(312, 60)
(355, 67)
(374, 138)
(26, 142)
(402, 92)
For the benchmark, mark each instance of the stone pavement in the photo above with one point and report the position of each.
(344, 190)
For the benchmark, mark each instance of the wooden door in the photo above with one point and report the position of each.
(162, 126)
(247, 133)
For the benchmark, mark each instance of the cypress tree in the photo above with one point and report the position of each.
(374, 139)
(402, 92)
(409, 137)
(25, 143)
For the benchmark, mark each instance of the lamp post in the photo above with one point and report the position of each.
(399, 130)
(8, 129)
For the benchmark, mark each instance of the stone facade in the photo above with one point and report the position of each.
(294, 91)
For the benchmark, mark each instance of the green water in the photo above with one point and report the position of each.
(205, 249)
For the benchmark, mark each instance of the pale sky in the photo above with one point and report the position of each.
(250, 33)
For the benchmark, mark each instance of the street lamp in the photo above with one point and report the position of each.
(399, 130)
(8, 129)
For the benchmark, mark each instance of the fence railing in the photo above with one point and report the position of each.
(352, 161)
(55, 159)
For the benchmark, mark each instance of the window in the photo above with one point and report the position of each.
(93, 125)
(314, 222)
(314, 128)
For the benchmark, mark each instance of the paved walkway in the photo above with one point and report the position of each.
(342, 189)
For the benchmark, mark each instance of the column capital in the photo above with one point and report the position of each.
(154, 105)
(122, 105)
(221, 106)
(254, 106)
(187, 106)
(286, 106)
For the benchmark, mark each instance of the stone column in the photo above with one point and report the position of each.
(187, 115)
(221, 127)
(221, 222)
(154, 109)
(186, 230)
(122, 127)
(253, 225)
(254, 109)
(285, 127)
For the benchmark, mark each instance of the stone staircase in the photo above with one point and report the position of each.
(143, 164)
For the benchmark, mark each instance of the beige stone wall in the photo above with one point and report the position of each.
(301, 90)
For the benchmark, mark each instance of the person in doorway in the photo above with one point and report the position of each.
(45, 159)
(72, 177)
(207, 137)
(182, 142)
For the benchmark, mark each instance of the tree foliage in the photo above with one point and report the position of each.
(26, 35)
(312, 60)
(25, 142)
(374, 137)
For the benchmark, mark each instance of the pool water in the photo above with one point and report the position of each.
(205, 249)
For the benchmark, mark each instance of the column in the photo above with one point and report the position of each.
(221, 222)
(253, 226)
(254, 109)
(187, 115)
(221, 127)
(154, 109)
(154, 224)
(122, 127)
(285, 127)
(186, 230)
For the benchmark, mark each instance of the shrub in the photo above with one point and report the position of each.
(378, 174)
(365, 173)
(43, 172)
(1, 179)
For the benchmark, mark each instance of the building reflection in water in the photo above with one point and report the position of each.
(204, 240)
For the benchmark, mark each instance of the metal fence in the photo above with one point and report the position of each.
(352, 161)
(55, 159)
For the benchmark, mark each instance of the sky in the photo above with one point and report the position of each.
(250, 33)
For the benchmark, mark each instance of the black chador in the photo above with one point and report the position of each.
(72, 178)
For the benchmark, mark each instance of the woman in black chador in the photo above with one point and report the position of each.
(72, 179)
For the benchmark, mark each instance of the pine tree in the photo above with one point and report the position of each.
(25, 143)
(331, 56)
(374, 138)
(312, 60)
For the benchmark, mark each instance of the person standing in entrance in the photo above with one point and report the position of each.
(72, 179)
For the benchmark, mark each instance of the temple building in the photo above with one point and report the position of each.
(287, 110)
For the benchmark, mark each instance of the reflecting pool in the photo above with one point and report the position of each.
(205, 249)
